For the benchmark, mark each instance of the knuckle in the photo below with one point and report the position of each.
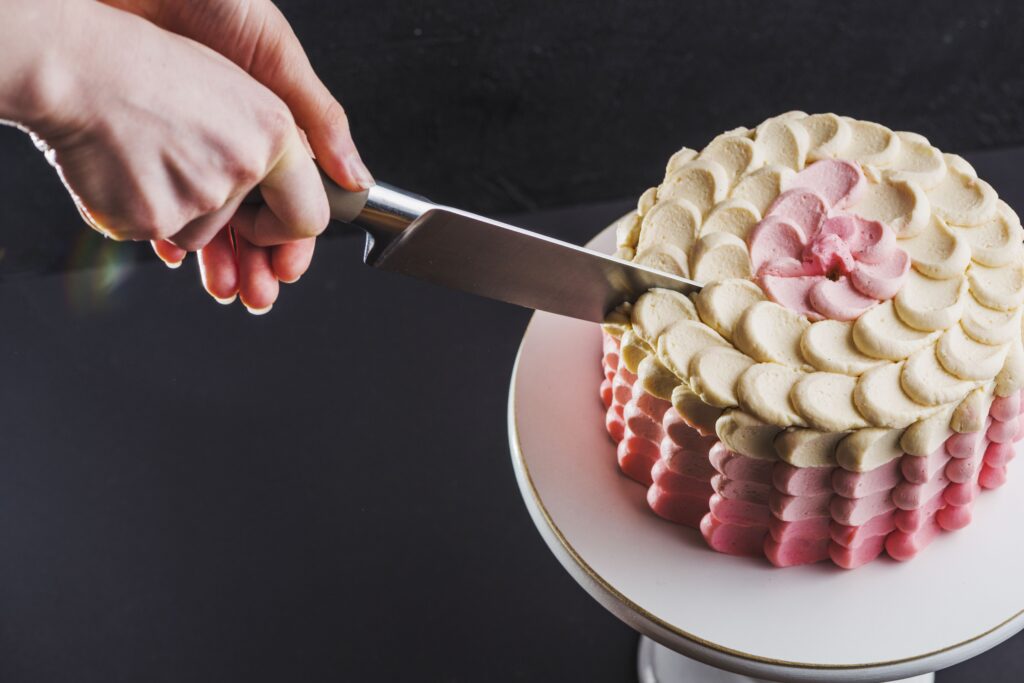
(245, 172)
(204, 203)
(278, 120)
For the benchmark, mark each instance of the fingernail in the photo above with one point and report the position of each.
(259, 311)
(288, 282)
(357, 169)
(226, 301)
(173, 264)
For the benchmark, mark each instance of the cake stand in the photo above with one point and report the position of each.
(705, 616)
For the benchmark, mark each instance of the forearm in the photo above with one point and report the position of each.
(35, 36)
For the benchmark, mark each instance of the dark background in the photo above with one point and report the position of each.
(188, 493)
(513, 106)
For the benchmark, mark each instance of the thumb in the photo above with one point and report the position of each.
(281, 64)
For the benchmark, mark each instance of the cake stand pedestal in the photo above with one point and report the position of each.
(658, 664)
(712, 617)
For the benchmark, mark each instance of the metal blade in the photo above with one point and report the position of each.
(478, 255)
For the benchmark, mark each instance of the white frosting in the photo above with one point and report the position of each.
(881, 333)
(656, 310)
(988, 325)
(938, 252)
(828, 345)
(871, 144)
(866, 449)
(926, 381)
(655, 378)
(927, 305)
(703, 183)
(926, 436)
(966, 358)
(784, 141)
(680, 343)
(720, 256)
(771, 333)
(825, 399)
(678, 160)
(997, 241)
(972, 412)
(828, 136)
(735, 217)
(736, 154)
(763, 391)
(745, 434)
(1011, 377)
(880, 398)
(808, 447)
(908, 368)
(714, 373)
(721, 304)
(917, 162)
(901, 205)
(632, 350)
(962, 198)
(999, 288)
(763, 186)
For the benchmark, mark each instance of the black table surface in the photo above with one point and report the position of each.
(190, 493)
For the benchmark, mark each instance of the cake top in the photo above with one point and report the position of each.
(856, 279)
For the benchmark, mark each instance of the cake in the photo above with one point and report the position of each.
(848, 380)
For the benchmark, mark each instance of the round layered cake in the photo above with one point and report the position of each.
(849, 378)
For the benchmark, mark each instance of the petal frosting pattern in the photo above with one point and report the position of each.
(812, 256)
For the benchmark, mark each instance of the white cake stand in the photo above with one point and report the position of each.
(703, 614)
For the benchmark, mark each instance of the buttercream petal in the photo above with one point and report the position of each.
(838, 300)
(802, 207)
(830, 252)
(843, 226)
(790, 267)
(792, 292)
(773, 239)
(839, 182)
(872, 241)
(882, 280)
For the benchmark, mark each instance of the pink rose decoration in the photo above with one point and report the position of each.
(813, 257)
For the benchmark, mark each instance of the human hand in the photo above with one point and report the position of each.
(256, 36)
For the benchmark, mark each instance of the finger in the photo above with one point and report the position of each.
(295, 202)
(198, 232)
(279, 62)
(218, 268)
(291, 260)
(257, 284)
(171, 255)
(261, 41)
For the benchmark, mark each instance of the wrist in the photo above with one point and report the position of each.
(38, 73)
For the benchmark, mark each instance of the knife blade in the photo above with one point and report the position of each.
(411, 235)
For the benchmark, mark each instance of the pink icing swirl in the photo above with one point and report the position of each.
(812, 256)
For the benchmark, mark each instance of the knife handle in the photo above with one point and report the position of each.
(382, 211)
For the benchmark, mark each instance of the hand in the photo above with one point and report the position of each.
(256, 36)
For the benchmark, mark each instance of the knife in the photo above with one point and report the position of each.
(409, 234)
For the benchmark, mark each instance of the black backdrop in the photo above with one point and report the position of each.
(503, 106)
(188, 493)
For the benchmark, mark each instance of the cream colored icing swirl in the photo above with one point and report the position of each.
(900, 376)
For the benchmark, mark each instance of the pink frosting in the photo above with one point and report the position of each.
(812, 256)
(792, 515)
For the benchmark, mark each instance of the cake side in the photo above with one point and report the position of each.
(861, 324)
